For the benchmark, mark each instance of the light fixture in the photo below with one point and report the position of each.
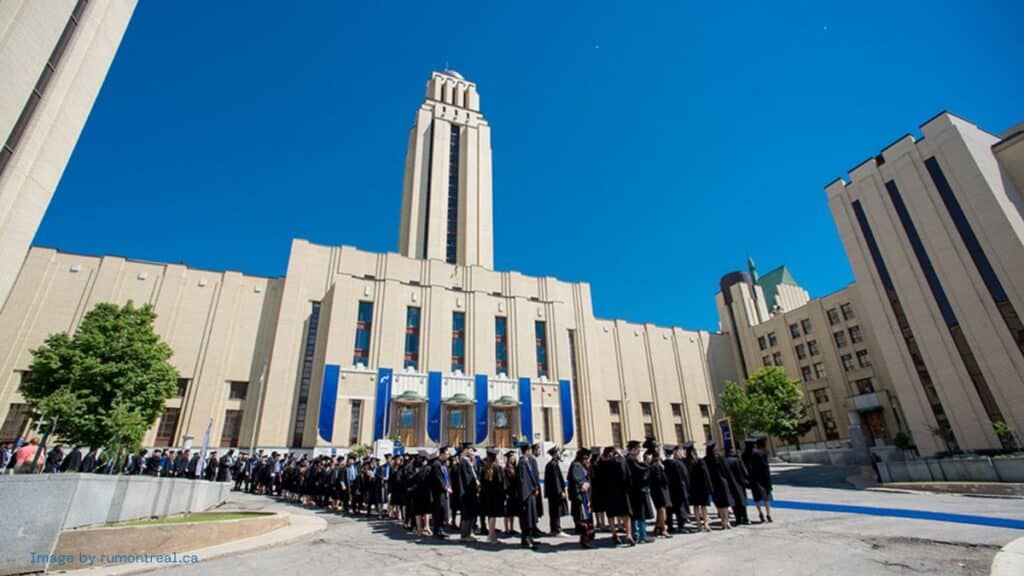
(501, 306)
(257, 289)
(413, 294)
(143, 275)
(76, 267)
(202, 282)
(366, 290)
(458, 302)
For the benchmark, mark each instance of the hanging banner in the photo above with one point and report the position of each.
(481, 408)
(526, 409)
(565, 402)
(383, 405)
(328, 401)
(434, 406)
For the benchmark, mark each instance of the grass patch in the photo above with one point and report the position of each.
(211, 517)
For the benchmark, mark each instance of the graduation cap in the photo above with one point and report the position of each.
(466, 445)
(595, 452)
(669, 449)
(688, 444)
(553, 450)
(536, 446)
(492, 453)
(632, 444)
(650, 442)
(710, 444)
(749, 442)
(510, 454)
(423, 453)
(524, 447)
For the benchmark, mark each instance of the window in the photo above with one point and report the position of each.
(501, 344)
(855, 335)
(847, 361)
(364, 327)
(707, 433)
(761, 343)
(540, 333)
(355, 422)
(847, 311)
(232, 428)
(865, 386)
(616, 434)
(165, 430)
(862, 358)
(458, 342)
(677, 410)
(237, 390)
(18, 415)
(546, 417)
(801, 351)
(705, 410)
(977, 253)
(819, 370)
(766, 360)
(412, 338)
(614, 408)
(645, 409)
(829, 423)
(833, 316)
(451, 240)
(794, 330)
(307, 373)
(772, 340)
(821, 396)
(805, 372)
(777, 358)
(182, 388)
(840, 338)
(806, 325)
(680, 437)
(648, 430)
(812, 347)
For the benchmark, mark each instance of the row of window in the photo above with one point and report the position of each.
(855, 336)
(794, 329)
(237, 389)
(647, 409)
(833, 314)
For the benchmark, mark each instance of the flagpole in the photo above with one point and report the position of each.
(259, 408)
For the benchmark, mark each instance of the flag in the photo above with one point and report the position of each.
(201, 467)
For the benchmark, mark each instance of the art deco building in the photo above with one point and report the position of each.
(54, 55)
(934, 230)
(431, 345)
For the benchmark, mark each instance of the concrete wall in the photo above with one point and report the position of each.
(973, 469)
(38, 507)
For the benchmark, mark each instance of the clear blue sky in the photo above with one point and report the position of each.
(628, 138)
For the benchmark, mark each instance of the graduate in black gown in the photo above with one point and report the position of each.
(555, 492)
(470, 483)
(738, 484)
(598, 500)
(700, 486)
(512, 503)
(659, 492)
(639, 489)
(579, 498)
(493, 493)
(720, 478)
(528, 488)
(614, 478)
(441, 490)
(73, 460)
(759, 476)
(678, 480)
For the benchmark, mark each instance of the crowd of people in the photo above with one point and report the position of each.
(459, 491)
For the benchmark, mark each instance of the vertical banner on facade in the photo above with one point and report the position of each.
(526, 409)
(565, 403)
(726, 429)
(434, 406)
(328, 400)
(481, 408)
(383, 406)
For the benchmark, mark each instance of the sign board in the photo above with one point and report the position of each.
(382, 447)
(726, 429)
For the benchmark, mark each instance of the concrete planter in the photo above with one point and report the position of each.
(38, 507)
(966, 469)
(1010, 469)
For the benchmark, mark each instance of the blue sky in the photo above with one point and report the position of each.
(646, 148)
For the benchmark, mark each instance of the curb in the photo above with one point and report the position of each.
(300, 527)
(1009, 561)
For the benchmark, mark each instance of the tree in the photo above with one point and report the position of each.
(770, 403)
(107, 384)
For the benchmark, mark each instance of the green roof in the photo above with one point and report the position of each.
(770, 281)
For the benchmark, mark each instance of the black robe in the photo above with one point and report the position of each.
(72, 461)
(598, 499)
(720, 478)
(700, 482)
(614, 478)
(470, 485)
(738, 481)
(528, 490)
(493, 491)
(659, 486)
(678, 484)
(554, 488)
(760, 476)
(639, 488)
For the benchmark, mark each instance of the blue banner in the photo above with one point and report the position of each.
(726, 429)
(328, 400)
(565, 401)
(383, 406)
(481, 408)
(526, 409)
(434, 406)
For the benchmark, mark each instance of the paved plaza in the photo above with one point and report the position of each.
(822, 526)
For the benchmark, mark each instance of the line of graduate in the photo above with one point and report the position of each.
(618, 491)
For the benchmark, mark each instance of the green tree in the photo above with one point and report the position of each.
(107, 384)
(770, 403)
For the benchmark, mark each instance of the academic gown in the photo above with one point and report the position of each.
(72, 461)
(720, 478)
(89, 463)
(554, 486)
(659, 486)
(738, 481)
(700, 482)
(639, 488)
(614, 477)
(598, 499)
(540, 495)
(578, 477)
(493, 491)
(528, 487)
(678, 483)
(759, 473)
(512, 502)
(470, 487)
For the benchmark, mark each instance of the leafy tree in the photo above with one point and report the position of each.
(107, 384)
(770, 403)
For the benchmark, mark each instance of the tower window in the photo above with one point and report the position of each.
(452, 238)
